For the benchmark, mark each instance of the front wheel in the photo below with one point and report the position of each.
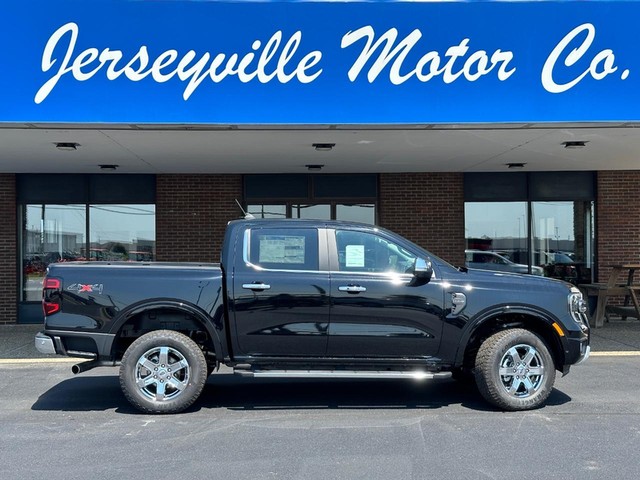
(163, 372)
(515, 370)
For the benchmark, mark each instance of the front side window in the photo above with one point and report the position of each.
(284, 249)
(366, 252)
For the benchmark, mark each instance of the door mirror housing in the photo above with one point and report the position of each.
(422, 271)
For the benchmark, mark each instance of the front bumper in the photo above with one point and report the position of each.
(576, 348)
(584, 356)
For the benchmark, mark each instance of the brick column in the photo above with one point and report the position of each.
(192, 212)
(617, 220)
(8, 250)
(426, 208)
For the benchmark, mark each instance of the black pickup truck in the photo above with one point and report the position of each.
(304, 299)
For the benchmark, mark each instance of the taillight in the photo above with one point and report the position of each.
(50, 308)
(52, 283)
(51, 288)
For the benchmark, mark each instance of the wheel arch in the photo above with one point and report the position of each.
(162, 310)
(538, 322)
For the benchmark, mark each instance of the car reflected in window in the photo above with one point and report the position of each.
(485, 260)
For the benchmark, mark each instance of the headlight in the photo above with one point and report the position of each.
(577, 306)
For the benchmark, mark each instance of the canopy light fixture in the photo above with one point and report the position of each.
(67, 146)
(323, 147)
(515, 165)
(108, 167)
(314, 166)
(575, 144)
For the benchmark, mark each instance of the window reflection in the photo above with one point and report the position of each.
(355, 212)
(500, 228)
(267, 211)
(363, 213)
(366, 252)
(316, 212)
(562, 239)
(58, 233)
(122, 232)
(559, 245)
(51, 233)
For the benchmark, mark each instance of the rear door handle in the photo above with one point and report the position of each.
(256, 286)
(352, 288)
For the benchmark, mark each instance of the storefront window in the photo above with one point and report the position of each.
(316, 212)
(122, 232)
(267, 211)
(51, 233)
(542, 221)
(364, 213)
(58, 233)
(349, 197)
(498, 227)
(557, 243)
(562, 239)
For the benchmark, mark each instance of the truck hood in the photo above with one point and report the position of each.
(509, 280)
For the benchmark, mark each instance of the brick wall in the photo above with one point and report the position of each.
(426, 208)
(618, 220)
(192, 212)
(8, 249)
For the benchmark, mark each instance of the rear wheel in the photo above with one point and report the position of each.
(515, 370)
(163, 372)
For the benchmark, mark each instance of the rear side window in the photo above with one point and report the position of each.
(284, 248)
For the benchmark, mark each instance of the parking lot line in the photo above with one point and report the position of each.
(16, 361)
(624, 353)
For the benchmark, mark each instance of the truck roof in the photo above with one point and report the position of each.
(303, 222)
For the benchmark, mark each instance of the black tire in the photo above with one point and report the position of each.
(163, 372)
(515, 370)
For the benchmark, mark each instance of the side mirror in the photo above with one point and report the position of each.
(422, 271)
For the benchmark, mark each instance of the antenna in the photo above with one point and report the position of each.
(247, 216)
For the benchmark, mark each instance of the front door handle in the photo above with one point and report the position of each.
(256, 287)
(352, 288)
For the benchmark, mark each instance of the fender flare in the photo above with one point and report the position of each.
(483, 317)
(171, 304)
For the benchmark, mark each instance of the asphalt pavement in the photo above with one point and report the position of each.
(58, 426)
(61, 426)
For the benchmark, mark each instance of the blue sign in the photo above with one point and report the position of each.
(208, 62)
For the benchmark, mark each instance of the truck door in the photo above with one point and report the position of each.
(281, 292)
(376, 311)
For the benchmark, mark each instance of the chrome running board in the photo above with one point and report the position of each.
(335, 374)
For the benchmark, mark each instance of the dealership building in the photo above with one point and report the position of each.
(135, 130)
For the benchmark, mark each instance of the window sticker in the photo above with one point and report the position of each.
(281, 249)
(354, 256)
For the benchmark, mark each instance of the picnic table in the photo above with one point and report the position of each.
(619, 283)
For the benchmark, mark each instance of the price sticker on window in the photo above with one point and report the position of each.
(354, 256)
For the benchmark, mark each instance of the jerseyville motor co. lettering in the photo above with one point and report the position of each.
(380, 56)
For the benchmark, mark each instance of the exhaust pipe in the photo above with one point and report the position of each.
(84, 366)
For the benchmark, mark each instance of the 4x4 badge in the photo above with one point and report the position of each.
(86, 288)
